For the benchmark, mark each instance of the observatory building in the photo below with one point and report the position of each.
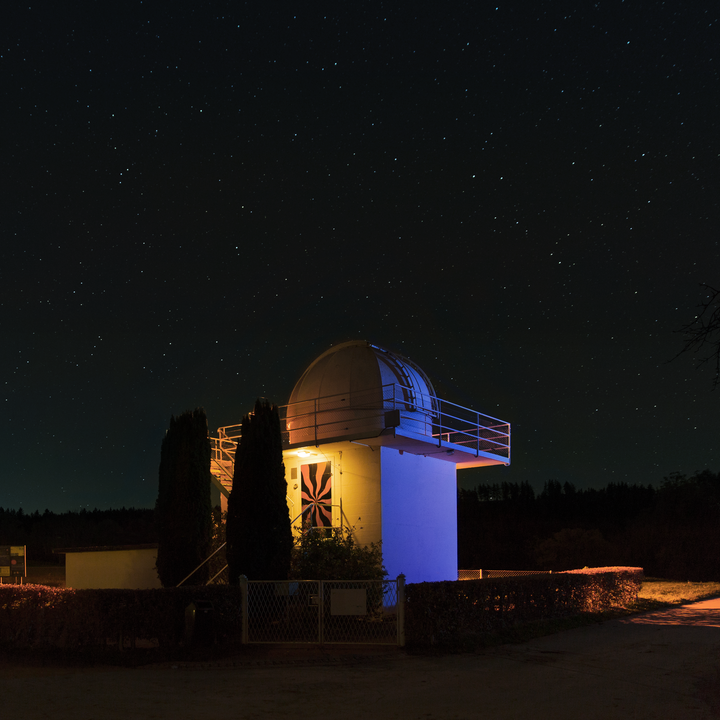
(369, 445)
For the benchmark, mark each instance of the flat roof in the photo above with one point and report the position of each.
(105, 548)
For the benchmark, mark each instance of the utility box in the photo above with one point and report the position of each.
(200, 623)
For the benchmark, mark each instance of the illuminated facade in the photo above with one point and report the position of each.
(369, 445)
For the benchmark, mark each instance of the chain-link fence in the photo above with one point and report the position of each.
(324, 611)
(482, 574)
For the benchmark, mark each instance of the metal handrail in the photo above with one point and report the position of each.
(444, 420)
(217, 573)
(201, 564)
(312, 505)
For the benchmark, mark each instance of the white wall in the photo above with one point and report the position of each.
(131, 569)
(419, 517)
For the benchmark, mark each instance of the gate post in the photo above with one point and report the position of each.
(400, 610)
(244, 608)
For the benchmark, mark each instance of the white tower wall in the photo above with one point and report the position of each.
(419, 517)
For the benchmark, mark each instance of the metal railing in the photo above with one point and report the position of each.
(372, 411)
(323, 611)
(393, 405)
(222, 458)
(306, 527)
(223, 446)
(485, 574)
(207, 559)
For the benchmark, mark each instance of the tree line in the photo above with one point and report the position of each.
(672, 531)
(44, 532)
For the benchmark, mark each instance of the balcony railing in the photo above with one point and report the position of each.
(393, 405)
(372, 411)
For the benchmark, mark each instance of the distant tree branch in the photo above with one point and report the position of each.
(702, 335)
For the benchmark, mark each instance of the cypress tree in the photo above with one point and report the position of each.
(258, 533)
(183, 509)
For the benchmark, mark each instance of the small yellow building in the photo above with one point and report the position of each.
(127, 566)
(369, 445)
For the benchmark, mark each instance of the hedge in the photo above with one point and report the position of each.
(442, 614)
(458, 613)
(34, 616)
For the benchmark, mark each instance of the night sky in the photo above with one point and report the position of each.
(199, 198)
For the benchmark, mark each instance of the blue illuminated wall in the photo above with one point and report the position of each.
(419, 516)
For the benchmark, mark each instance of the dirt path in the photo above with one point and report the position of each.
(661, 665)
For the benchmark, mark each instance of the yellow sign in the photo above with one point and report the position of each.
(12, 561)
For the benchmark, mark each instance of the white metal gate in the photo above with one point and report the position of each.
(324, 611)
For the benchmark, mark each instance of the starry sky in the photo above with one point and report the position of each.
(199, 198)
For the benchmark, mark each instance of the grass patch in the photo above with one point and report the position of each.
(671, 592)
(654, 594)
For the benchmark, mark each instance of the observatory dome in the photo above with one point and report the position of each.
(357, 389)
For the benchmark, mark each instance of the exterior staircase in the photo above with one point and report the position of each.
(222, 463)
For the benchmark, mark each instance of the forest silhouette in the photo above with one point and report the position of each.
(47, 531)
(672, 531)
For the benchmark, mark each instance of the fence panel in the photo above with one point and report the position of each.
(483, 574)
(315, 611)
(360, 612)
(285, 612)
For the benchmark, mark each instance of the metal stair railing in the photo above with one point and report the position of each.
(207, 559)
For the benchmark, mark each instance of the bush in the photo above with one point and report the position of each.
(457, 614)
(35, 616)
(333, 554)
(574, 547)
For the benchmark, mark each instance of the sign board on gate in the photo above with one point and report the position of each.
(348, 602)
(12, 561)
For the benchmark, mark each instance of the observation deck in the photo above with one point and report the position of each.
(361, 393)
